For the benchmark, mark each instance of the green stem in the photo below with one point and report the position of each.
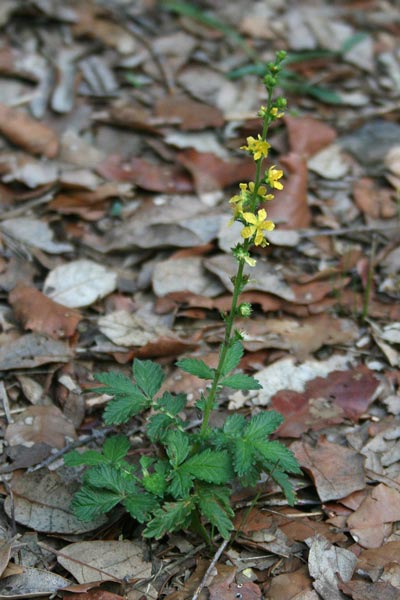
(237, 289)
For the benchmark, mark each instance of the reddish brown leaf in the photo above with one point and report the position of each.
(212, 173)
(24, 131)
(290, 209)
(373, 560)
(287, 585)
(189, 114)
(365, 590)
(337, 471)
(307, 135)
(147, 175)
(372, 521)
(373, 200)
(41, 314)
(227, 591)
(40, 424)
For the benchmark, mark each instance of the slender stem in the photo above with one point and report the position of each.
(237, 289)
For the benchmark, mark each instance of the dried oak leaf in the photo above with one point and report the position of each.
(210, 172)
(189, 114)
(307, 135)
(290, 208)
(336, 471)
(149, 176)
(28, 133)
(372, 522)
(39, 313)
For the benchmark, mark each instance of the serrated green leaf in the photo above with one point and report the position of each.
(107, 477)
(121, 410)
(89, 503)
(283, 481)
(149, 376)
(172, 516)
(89, 458)
(263, 424)
(240, 381)
(157, 427)
(180, 484)
(140, 506)
(278, 456)
(116, 448)
(178, 446)
(209, 465)
(232, 358)
(172, 404)
(243, 456)
(234, 425)
(155, 483)
(197, 367)
(216, 515)
(114, 384)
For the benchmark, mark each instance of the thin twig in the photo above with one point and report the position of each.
(76, 444)
(207, 574)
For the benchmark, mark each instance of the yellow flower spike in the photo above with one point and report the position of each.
(257, 224)
(273, 177)
(257, 147)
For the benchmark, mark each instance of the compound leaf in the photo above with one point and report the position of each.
(243, 456)
(263, 424)
(276, 455)
(217, 515)
(181, 484)
(115, 384)
(140, 506)
(232, 358)
(197, 367)
(122, 409)
(89, 503)
(107, 477)
(149, 376)
(89, 458)
(240, 381)
(283, 481)
(211, 466)
(234, 425)
(116, 448)
(172, 516)
(177, 446)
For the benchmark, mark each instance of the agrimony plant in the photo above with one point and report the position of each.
(188, 481)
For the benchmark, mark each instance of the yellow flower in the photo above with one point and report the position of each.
(257, 147)
(275, 113)
(257, 224)
(273, 176)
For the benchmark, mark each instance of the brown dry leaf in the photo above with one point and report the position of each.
(290, 208)
(365, 590)
(40, 424)
(226, 591)
(326, 563)
(211, 172)
(41, 314)
(189, 114)
(326, 400)
(373, 521)
(373, 200)
(307, 135)
(5, 553)
(105, 560)
(336, 471)
(31, 135)
(42, 502)
(32, 350)
(95, 594)
(32, 583)
(287, 585)
(168, 179)
(373, 560)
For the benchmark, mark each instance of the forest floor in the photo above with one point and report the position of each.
(120, 128)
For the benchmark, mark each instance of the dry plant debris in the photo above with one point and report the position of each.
(119, 128)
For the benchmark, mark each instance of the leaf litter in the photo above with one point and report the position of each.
(122, 151)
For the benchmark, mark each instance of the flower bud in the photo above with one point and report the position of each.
(245, 309)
